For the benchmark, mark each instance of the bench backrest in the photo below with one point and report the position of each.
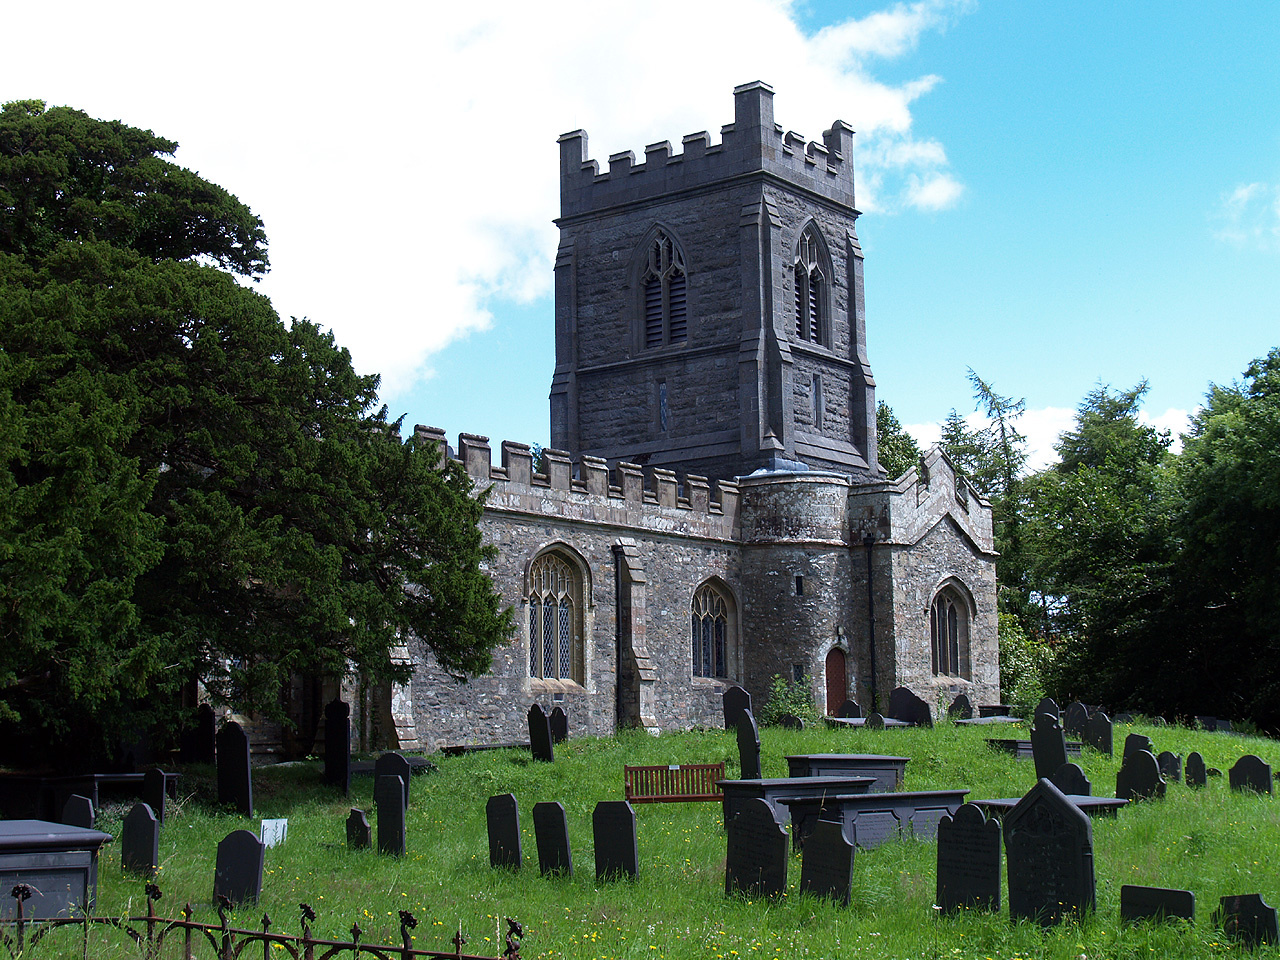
(677, 782)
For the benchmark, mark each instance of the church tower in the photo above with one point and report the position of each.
(709, 304)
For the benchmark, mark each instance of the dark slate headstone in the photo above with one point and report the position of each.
(748, 746)
(1125, 718)
(1135, 742)
(1048, 844)
(613, 827)
(1097, 733)
(540, 742)
(359, 836)
(907, 707)
(559, 721)
(551, 832)
(140, 841)
(1048, 745)
(153, 792)
(237, 875)
(198, 741)
(789, 721)
(1170, 765)
(1156, 903)
(1075, 720)
(1224, 726)
(1250, 773)
(826, 869)
(1248, 919)
(849, 710)
(1213, 772)
(1070, 779)
(1207, 723)
(78, 812)
(735, 701)
(968, 861)
(961, 708)
(756, 864)
(874, 721)
(1159, 722)
(393, 765)
(388, 798)
(1049, 707)
(1139, 777)
(1196, 775)
(235, 777)
(337, 745)
(502, 815)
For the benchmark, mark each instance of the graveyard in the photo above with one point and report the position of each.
(1212, 841)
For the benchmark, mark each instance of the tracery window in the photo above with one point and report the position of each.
(711, 624)
(810, 288)
(665, 307)
(555, 619)
(949, 632)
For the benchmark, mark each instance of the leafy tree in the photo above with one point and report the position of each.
(897, 450)
(189, 489)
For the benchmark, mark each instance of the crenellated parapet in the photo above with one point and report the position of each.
(752, 144)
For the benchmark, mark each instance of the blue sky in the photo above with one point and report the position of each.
(1053, 194)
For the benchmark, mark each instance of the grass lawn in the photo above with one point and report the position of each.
(1212, 842)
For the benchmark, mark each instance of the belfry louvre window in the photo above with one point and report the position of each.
(949, 632)
(666, 309)
(555, 619)
(710, 633)
(810, 289)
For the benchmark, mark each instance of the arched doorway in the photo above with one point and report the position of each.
(837, 681)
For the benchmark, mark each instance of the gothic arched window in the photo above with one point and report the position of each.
(665, 306)
(712, 625)
(555, 619)
(949, 632)
(810, 288)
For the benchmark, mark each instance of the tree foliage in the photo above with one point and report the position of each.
(896, 449)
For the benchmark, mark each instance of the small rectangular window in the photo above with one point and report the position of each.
(663, 412)
(797, 672)
(799, 585)
(819, 406)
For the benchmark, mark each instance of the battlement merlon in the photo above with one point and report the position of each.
(753, 143)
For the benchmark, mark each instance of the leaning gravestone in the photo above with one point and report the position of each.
(1139, 777)
(388, 796)
(1048, 745)
(756, 861)
(1098, 733)
(1170, 765)
(1070, 779)
(78, 812)
(540, 742)
(559, 721)
(961, 708)
(140, 841)
(337, 745)
(235, 777)
(826, 869)
(1248, 919)
(393, 765)
(1196, 775)
(502, 816)
(551, 832)
(748, 746)
(849, 710)
(1048, 844)
(789, 721)
(1156, 903)
(907, 707)
(1250, 773)
(1135, 742)
(968, 861)
(1075, 720)
(874, 721)
(153, 791)
(359, 836)
(735, 700)
(613, 827)
(237, 875)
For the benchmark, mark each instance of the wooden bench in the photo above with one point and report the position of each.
(674, 783)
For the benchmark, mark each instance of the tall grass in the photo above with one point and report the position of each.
(1212, 842)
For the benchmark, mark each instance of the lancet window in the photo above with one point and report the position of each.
(810, 288)
(555, 619)
(663, 284)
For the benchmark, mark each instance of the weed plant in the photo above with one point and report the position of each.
(1212, 841)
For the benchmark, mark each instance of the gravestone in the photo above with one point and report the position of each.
(1196, 775)
(1250, 773)
(849, 710)
(1097, 732)
(1075, 720)
(907, 707)
(388, 799)
(1125, 718)
(153, 792)
(1224, 726)
(1213, 772)
(874, 721)
(551, 832)
(274, 832)
(968, 861)
(735, 701)
(826, 869)
(359, 836)
(140, 841)
(748, 746)
(756, 861)
(78, 812)
(237, 875)
(235, 777)
(1135, 742)
(1139, 777)
(789, 721)
(1170, 765)
(502, 815)
(1070, 779)
(393, 765)
(1048, 844)
(961, 708)
(613, 827)
(198, 741)
(1156, 903)
(540, 742)
(1248, 919)
(559, 721)
(1049, 707)
(337, 745)
(1048, 745)
(1207, 723)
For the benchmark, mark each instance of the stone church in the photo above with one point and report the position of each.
(712, 511)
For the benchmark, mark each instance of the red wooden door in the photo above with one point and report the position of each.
(837, 681)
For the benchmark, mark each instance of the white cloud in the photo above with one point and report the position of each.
(404, 158)
(1249, 216)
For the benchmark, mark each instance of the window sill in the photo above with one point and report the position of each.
(541, 685)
